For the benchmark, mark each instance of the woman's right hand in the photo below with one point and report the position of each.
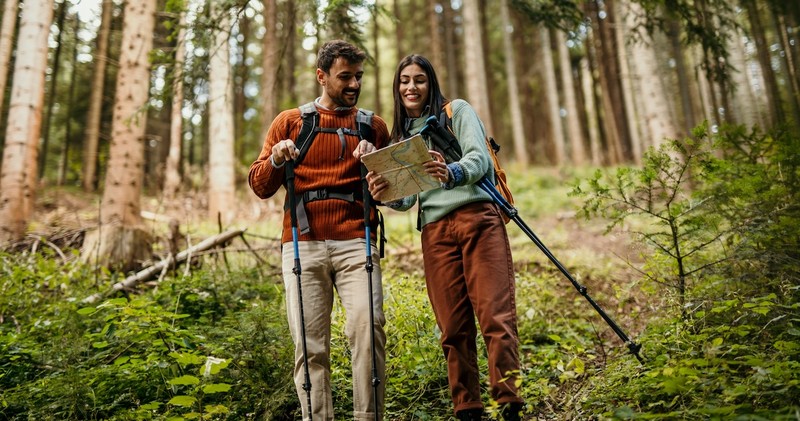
(377, 185)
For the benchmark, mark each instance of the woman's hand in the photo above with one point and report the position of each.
(437, 168)
(377, 185)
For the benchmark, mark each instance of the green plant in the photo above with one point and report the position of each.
(680, 225)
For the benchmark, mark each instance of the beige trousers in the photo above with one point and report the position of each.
(327, 266)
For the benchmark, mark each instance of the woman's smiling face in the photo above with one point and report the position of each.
(414, 89)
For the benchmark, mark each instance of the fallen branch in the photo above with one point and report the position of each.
(162, 265)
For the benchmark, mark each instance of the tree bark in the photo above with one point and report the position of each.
(477, 85)
(517, 129)
(626, 84)
(553, 107)
(64, 157)
(172, 174)
(451, 70)
(657, 116)
(269, 66)
(592, 125)
(51, 92)
(89, 178)
(18, 177)
(221, 182)
(10, 13)
(575, 141)
(776, 114)
(121, 241)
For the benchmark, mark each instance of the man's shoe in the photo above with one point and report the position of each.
(513, 412)
(470, 414)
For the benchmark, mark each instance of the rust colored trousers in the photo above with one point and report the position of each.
(469, 274)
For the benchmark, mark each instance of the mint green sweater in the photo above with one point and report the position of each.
(475, 162)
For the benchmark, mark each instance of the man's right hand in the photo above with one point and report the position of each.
(284, 151)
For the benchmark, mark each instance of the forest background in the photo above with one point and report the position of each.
(140, 278)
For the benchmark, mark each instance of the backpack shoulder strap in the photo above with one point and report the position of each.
(445, 121)
(310, 116)
(364, 122)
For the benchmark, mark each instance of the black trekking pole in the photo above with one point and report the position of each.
(436, 132)
(297, 271)
(369, 267)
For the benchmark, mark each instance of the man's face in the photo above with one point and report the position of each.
(342, 84)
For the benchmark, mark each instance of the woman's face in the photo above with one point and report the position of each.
(414, 89)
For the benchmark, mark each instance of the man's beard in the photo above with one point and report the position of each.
(343, 101)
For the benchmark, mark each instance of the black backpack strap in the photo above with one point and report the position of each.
(446, 123)
(310, 116)
(364, 123)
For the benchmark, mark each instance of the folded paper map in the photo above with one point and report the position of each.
(401, 165)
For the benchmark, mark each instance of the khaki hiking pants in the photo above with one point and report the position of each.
(329, 266)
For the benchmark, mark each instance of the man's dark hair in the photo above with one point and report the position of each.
(332, 50)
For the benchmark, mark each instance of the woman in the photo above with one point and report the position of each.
(468, 268)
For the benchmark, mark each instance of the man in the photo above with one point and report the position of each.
(331, 244)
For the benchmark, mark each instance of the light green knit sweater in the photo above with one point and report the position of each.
(475, 162)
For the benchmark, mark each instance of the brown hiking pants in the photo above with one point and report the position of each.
(469, 274)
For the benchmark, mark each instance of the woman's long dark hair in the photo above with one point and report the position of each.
(435, 97)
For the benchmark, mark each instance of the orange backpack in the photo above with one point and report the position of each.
(500, 179)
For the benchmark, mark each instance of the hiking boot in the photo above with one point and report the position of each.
(470, 414)
(513, 412)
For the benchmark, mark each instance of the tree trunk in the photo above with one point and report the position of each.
(7, 28)
(587, 85)
(787, 60)
(221, 182)
(776, 114)
(241, 71)
(477, 86)
(399, 31)
(626, 83)
(51, 92)
(172, 174)
(269, 66)
(451, 70)
(64, 158)
(19, 173)
(89, 181)
(748, 106)
(655, 110)
(614, 109)
(574, 134)
(435, 26)
(121, 241)
(376, 37)
(517, 129)
(553, 107)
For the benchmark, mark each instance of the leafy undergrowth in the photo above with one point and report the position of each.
(210, 341)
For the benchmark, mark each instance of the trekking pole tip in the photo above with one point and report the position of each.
(634, 349)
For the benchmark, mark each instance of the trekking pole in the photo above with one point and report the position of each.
(435, 131)
(297, 271)
(369, 267)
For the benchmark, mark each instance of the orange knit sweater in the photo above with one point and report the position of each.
(324, 167)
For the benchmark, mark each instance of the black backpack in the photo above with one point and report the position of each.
(310, 128)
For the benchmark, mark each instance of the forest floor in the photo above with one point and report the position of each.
(603, 262)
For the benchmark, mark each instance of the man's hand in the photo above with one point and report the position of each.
(284, 151)
(364, 147)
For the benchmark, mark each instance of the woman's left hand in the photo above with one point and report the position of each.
(437, 168)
